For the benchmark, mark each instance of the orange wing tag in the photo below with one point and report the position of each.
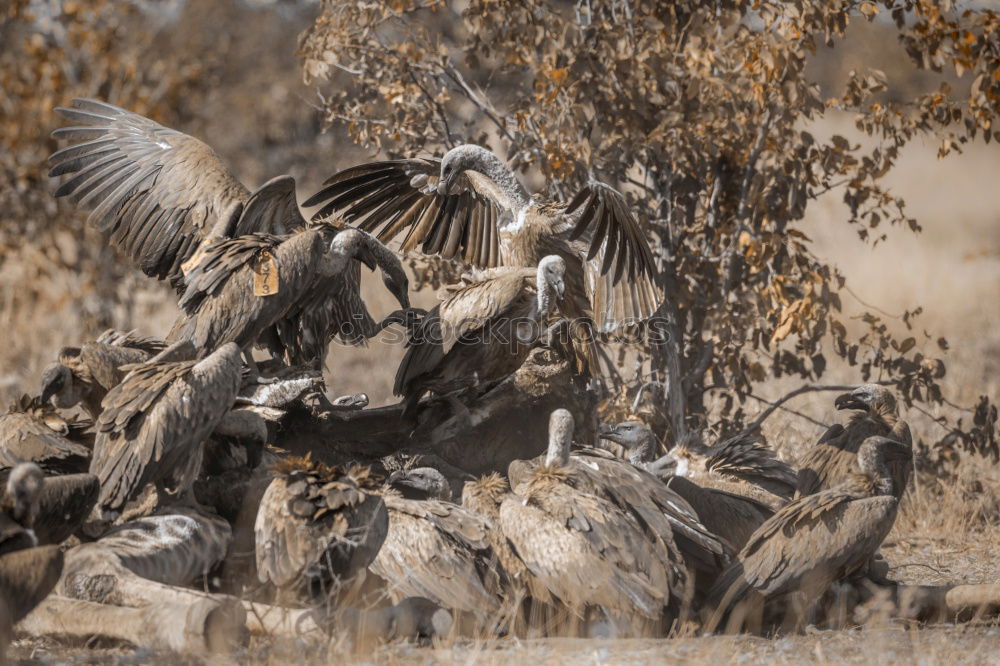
(265, 275)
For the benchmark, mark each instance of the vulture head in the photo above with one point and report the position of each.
(421, 483)
(58, 386)
(867, 398)
(560, 438)
(635, 436)
(24, 487)
(458, 160)
(551, 274)
(875, 454)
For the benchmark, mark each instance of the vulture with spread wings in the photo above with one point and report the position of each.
(471, 207)
(171, 205)
(158, 192)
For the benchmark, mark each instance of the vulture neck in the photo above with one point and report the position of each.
(544, 301)
(875, 469)
(491, 166)
(560, 439)
(641, 452)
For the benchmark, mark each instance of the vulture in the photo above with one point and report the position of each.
(159, 193)
(484, 496)
(831, 460)
(85, 374)
(32, 431)
(480, 333)
(27, 576)
(665, 515)
(470, 206)
(36, 510)
(169, 203)
(318, 528)
(583, 548)
(154, 423)
(814, 541)
(730, 513)
(742, 464)
(435, 549)
(221, 303)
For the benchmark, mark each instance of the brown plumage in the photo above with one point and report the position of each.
(19, 506)
(160, 193)
(219, 304)
(84, 375)
(333, 308)
(470, 206)
(482, 332)
(817, 539)
(436, 549)
(584, 548)
(32, 431)
(732, 516)
(831, 460)
(741, 465)
(484, 496)
(317, 528)
(154, 423)
(64, 504)
(665, 515)
(26, 578)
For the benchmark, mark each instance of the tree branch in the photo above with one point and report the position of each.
(806, 388)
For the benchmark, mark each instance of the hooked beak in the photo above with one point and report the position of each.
(52, 383)
(444, 185)
(849, 401)
(560, 288)
(607, 431)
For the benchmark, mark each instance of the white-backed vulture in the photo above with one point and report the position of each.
(160, 193)
(32, 431)
(582, 547)
(480, 333)
(169, 203)
(19, 507)
(484, 496)
(220, 305)
(733, 516)
(665, 515)
(831, 460)
(318, 527)
(814, 540)
(742, 464)
(435, 549)
(470, 206)
(64, 504)
(154, 423)
(83, 375)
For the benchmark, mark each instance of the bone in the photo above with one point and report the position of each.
(195, 628)
(278, 621)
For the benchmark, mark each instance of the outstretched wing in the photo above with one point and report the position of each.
(157, 191)
(397, 196)
(620, 267)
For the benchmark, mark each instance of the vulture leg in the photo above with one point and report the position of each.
(197, 627)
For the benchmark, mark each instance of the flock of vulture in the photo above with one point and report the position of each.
(118, 523)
